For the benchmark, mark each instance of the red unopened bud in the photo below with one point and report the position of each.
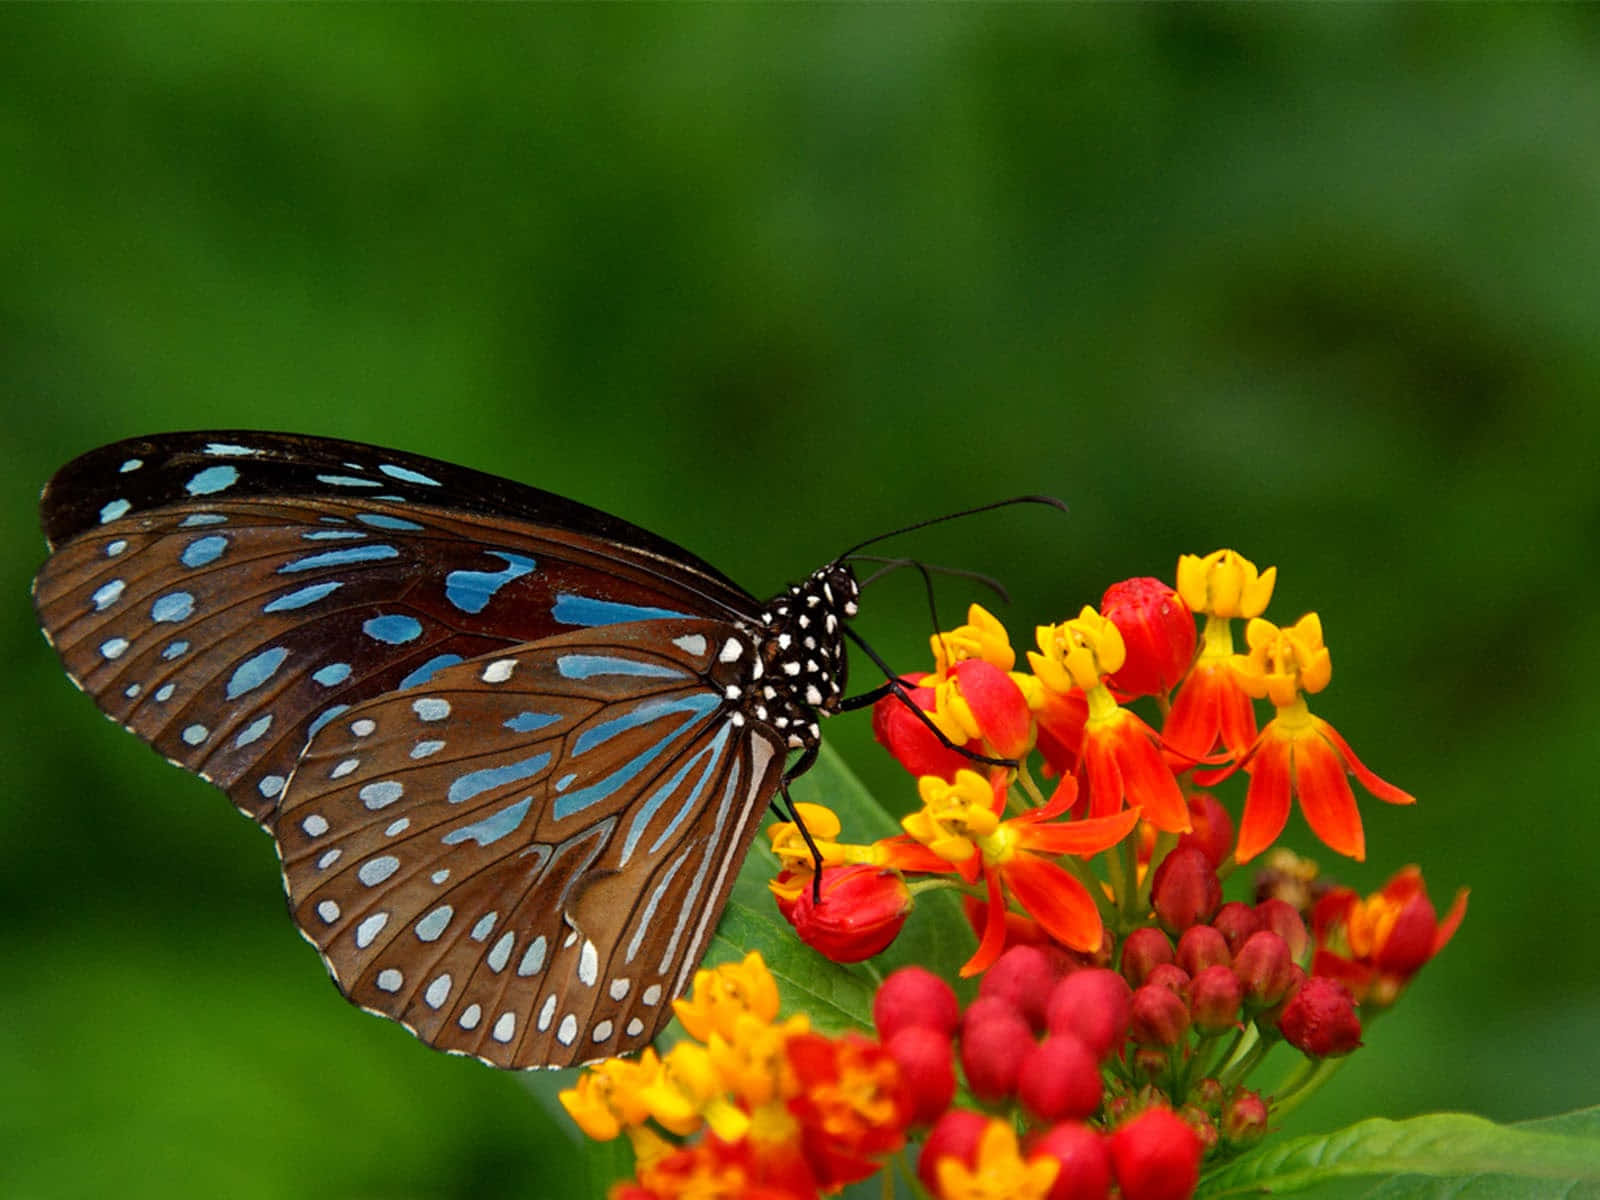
(1197, 1119)
(954, 1135)
(1212, 828)
(914, 745)
(1284, 920)
(862, 910)
(1060, 1079)
(1142, 952)
(1160, 1017)
(1156, 1156)
(1201, 946)
(1244, 1120)
(998, 706)
(1264, 968)
(1186, 889)
(927, 1065)
(1085, 1158)
(1170, 976)
(1023, 976)
(1095, 1005)
(913, 996)
(1215, 995)
(1151, 1064)
(1321, 1020)
(1267, 1019)
(993, 1046)
(1207, 1092)
(1158, 630)
(1236, 922)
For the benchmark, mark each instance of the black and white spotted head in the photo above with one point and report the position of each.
(800, 668)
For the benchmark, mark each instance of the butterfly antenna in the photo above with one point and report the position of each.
(1051, 501)
(892, 565)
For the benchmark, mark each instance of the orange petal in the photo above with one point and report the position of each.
(1192, 725)
(1380, 788)
(1326, 798)
(1451, 922)
(1056, 900)
(994, 931)
(1105, 778)
(1081, 838)
(1150, 783)
(1266, 804)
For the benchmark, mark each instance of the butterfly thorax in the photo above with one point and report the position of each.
(801, 661)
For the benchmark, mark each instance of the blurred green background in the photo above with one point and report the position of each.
(1317, 283)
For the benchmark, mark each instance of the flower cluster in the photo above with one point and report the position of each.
(785, 1113)
(1080, 810)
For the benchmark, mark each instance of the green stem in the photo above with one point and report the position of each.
(1304, 1084)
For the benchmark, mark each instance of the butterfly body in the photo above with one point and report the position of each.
(512, 750)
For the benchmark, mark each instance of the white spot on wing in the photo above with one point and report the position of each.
(370, 928)
(499, 671)
(505, 1027)
(389, 980)
(568, 1032)
(328, 911)
(438, 991)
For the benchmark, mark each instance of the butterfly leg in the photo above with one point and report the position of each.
(788, 812)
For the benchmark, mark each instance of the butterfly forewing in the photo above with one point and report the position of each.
(520, 860)
(222, 598)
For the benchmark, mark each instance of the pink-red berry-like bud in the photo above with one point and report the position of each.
(1201, 946)
(1158, 631)
(954, 1135)
(1207, 1092)
(1321, 1020)
(1142, 952)
(1085, 1158)
(1023, 976)
(863, 909)
(1094, 1005)
(1186, 889)
(1160, 1017)
(1204, 1127)
(986, 1008)
(1151, 1063)
(1156, 1156)
(1214, 999)
(1236, 922)
(993, 1048)
(1170, 976)
(927, 1065)
(913, 996)
(1244, 1120)
(1060, 1079)
(1285, 920)
(1212, 831)
(1264, 968)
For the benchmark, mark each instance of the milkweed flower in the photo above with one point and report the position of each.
(961, 823)
(999, 1171)
(981, 639)
(1212, 706)
(1375, 945)
(861, 912)
(1121, 754)
(1298, 754)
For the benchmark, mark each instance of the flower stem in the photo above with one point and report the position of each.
(1303, 1083)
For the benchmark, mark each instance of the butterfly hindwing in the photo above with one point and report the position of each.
(522, 859)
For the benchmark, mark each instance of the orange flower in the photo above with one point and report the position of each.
(960, 823)
(1000, 1171)
(852, 1106)
(1374, 946)
(1298, 754)
(1121, 754)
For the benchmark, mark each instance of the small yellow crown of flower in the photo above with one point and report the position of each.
(1224, 584)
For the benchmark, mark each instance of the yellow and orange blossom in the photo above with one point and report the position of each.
(981, 637)
(1000, 1173)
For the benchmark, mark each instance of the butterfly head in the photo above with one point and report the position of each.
(802, 653)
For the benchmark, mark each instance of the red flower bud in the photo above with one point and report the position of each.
(1284, 920)
(998, 706)
(1244, 1120)
(1095, 1005)
(1170, 976)
(1215, 995)
(927, 1065)
(993, 1046)
(1207, 1093)
(1060, 1078)
(1186, 889)
(1156, 1156)
(1264, 968)
(916, 747)
(1204, 1127)
(1321, 1020)
(1085, 1158)
(1236, 922)
(862, 910)
(1023, 976)
(1201, 946)
(1212, 831)
(1158, 630)
(1160, 1017)
(1142, 951)
(954, 1135)
(911, 997)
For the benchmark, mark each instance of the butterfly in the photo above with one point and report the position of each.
(512, 749)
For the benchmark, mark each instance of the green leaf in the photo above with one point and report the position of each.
(837, 997)
(1439, 1154)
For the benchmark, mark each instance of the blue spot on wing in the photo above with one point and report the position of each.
(393, 629)
(527, 722)
(492, 828)
(474, 783)
(394, 472)
(384, 521)
(574, 802)
(572, 609)
(642, 714)
(212, 480)
(471, 591)
(647, 811)
(302, 596)
(204, 550)
(327, 715)
(428, 670)
(332, 673)
(339, 558)
(255, 671)
(174, 606)
(585, 666)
